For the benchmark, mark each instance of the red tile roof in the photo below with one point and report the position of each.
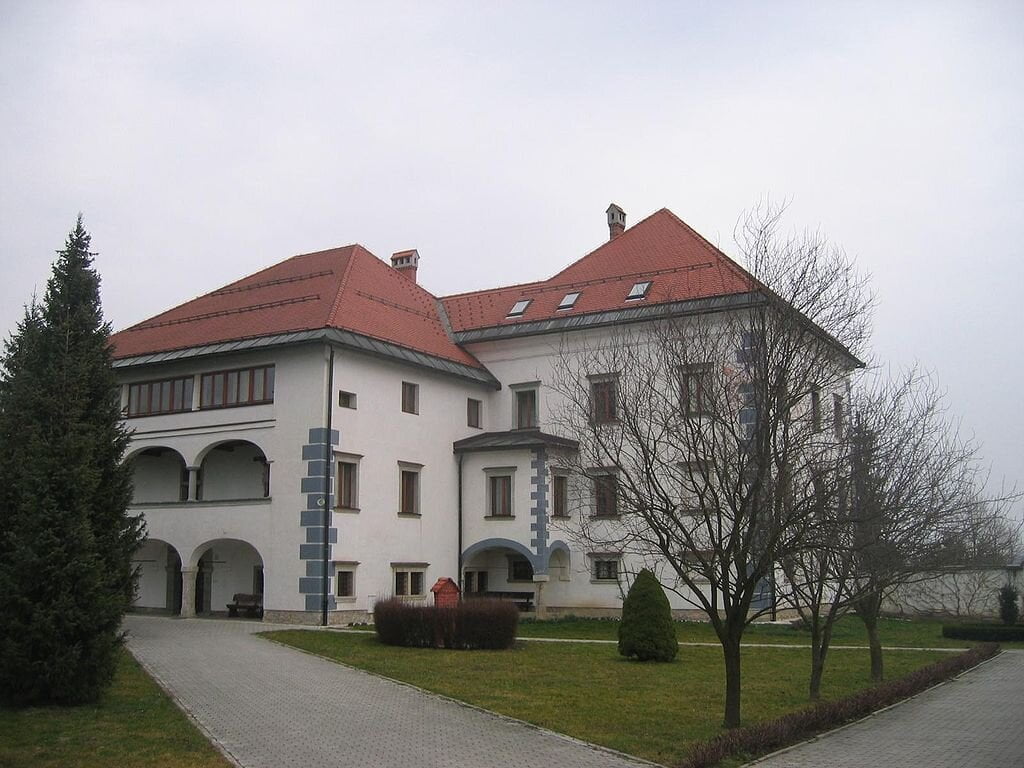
(351, 289)
(347, 288)
(662, 249)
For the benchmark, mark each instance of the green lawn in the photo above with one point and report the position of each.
(849, 631)
(135, 725)
(590, 692)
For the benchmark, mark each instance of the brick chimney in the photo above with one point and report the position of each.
(406, 262)
(616, 221)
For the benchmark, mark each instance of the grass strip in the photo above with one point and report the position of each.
(134, 725)
(752, 741)
(589, 692)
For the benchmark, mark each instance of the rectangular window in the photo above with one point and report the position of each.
(519, 569)
(476, 581)
(348, 478)
(473, 408)
(409, 490)
(409, 582)
(602, 400)
(153, 397)
(246, 386)
(499, 496)
(345, 582)
(638, 291)
(526, 408)
(606, 569)
(346, 399)
(560, 495)
(606, 494)
(816, 409)
(410, 397)
(837, 415)
(694, 386)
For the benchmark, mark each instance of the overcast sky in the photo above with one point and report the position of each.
(205, 141)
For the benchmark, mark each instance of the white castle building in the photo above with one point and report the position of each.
(325, 432)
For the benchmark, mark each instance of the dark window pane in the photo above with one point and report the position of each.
(207, 394)
(401, 582)
(268, 392)
(416, 583)
(244, 391)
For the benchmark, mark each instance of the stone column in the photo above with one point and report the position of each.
(188, 592)
(193, 482)
(539, 580)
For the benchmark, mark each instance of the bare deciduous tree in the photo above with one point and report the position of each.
(724, 411)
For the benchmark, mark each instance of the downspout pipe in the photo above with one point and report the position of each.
(329, 461)
(460, 578)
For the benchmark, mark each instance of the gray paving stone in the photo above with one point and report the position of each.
(975, 721)
(274, 707)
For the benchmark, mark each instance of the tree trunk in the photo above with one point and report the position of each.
(817, 663)
(875, 644)
(867, 609)
(731, 650)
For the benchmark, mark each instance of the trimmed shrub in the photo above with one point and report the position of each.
(1009, 611)
(647, 630)
(991, 632)
(789, 729)
(470, 624)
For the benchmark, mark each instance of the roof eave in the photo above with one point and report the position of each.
(343, 338)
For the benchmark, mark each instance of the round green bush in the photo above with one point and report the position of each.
(647, 631)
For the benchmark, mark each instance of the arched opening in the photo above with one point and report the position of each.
(159, 475)
(234, 470)
(224, 569)
(499, 568)
(159, 586)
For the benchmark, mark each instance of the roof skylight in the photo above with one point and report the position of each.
(518, 308)
(569, 300)
(639, 291)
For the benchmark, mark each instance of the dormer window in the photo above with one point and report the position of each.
(639, 291)
(519, 307)
(569, 300)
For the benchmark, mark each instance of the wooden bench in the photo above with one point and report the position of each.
(251, 604)
(523, 600)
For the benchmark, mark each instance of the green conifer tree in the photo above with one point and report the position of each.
(66, 539)
(646, 630)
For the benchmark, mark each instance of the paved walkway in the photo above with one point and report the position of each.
(270, 706)
(975, 721)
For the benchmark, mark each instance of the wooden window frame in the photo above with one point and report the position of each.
(606, 494)
(410, 397)
(222, 382)
(530, 393)
(604, 394)
(347, 492)
(500, 480)
(406, 472)
(693, 385)
(560, 496)
(474, 413)
(154, 391)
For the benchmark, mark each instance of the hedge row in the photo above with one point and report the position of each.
(470, 624)
(790, 729)
(992, 633)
